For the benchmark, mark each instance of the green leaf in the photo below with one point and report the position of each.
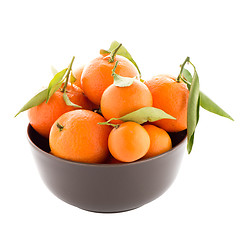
(211, 106)
(142, 115)
(72, 78)
(146, 114)
(68, 102)
(205, 101)
(55, 83)
(120, 81)
(35, 101)
(102, 51)
(188, 76)
(54, 70)
(193, 109)
(123, 52)
(190, 143)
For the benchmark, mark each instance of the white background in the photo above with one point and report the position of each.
(204, 201)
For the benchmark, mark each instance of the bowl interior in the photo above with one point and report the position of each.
(43, 143)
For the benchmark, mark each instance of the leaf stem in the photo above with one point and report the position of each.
(113, 71)
(185, 81)
(187, 60)
(67, 75)
(191, 64)
(109, 124)
(114, 52)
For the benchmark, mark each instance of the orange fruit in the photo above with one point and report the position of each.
(77, 73)
(44, 115)
(118, 101)
(77, 136)
(97, 75)
(171, 97)
(129, 142)
(160, 141)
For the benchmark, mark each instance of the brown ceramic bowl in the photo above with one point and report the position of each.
(107, 187)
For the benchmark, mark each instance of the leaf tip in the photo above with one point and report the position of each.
(189, 147)
(16, 114)
(103, 51)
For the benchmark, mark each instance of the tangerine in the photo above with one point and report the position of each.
(77, 136)
(43, 116)
(172, 97)
(97, 75)
(129, 142)
(119, 101)
(160, 141)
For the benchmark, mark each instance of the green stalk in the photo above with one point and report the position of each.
(113, 71)
(113, 53)
(182, 67)
(109, 124)
(67, 75)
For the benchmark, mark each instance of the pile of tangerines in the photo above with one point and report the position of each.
(81, 115)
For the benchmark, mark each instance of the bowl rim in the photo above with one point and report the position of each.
(140, 161)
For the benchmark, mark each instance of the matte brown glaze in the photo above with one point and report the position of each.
(107, 187)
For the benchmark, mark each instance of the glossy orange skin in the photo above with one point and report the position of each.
(119, 101)
(78, 74)
(171, 97)
(97, 75)
(82, 139)
(44, 115)
(129, 142)
(160, 141)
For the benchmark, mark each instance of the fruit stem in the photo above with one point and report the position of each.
(187, 60)
(113, 71)
(67, 75)
(182, 77)
(59, 126)
(192, 64)
(114, 52)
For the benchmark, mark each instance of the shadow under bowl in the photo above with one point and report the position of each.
(106, 187)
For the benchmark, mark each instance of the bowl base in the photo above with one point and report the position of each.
(111, 212)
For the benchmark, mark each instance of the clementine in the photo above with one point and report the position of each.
(160, 141)
(171, 97)
(119, 101)
(43, 116)
(77, 136)
(129, 142)
(97, 75)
